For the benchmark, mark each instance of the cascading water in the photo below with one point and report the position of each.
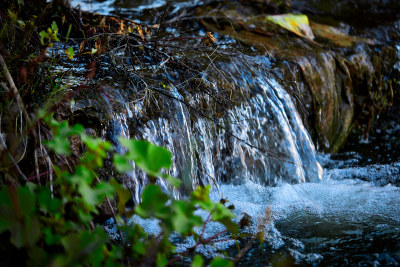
(259, 155)
(262, 140)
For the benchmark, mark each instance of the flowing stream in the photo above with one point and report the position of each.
(339, 209)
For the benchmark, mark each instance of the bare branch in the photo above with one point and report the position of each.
(14, 89)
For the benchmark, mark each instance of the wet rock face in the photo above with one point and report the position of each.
(356, 12)
(346, 91)
(229, 114)
(329, 82)
(341, 77)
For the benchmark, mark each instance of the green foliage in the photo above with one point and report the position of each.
(70, 53)
(197, 261)
(49, 36)
(219, 262)
(54, 224)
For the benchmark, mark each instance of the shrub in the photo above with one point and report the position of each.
(53, 224)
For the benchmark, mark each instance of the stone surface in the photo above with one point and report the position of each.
(340, 76)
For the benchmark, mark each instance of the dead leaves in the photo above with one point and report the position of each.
(97, 28)
(336, 36)
(299, 24)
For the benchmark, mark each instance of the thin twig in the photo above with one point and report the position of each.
(200, 242)
(14, 89)
(159, 27)
(50, 173)
(36, 167)
(12, 158)
(204, 226)
(31, 178)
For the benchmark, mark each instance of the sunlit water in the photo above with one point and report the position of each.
(337, 221)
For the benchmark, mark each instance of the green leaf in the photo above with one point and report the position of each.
(21, 23)
(50, 121)
(96, 151)
(197, 261)
(32, 187)
(66, 131)
(116, 252)
(60, 145)
(17, 215)
(46, 202)
(88, 194)
(50, 238)
(81, 175)
(84, 216)
(68, 33)
(221, 212)
(103, 190)
(183, 218)
(201, 197)
(149, 157)
(54, 26)
(96, 143)
(161, 260)
(25, 233)
(153, 203)
(121, 163)
(139, 248)
(27, 201)
(84, 248)
(220, 262)
(43, 35)
(201, 194)
(175, 182)
(70, 53)
(230, 225)
(93, 197)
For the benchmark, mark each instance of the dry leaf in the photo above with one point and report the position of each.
(208, 39)
(103, 22)
(148, 33)
(337, 36)
(81, 46)
(140, 30)
(121, 27)
(91, 70)
(296, 23)
(100, 48)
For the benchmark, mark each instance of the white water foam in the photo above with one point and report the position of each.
(340, 201)
(349, 199)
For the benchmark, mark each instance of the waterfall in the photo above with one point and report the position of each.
(260, 139)
(255, 151)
